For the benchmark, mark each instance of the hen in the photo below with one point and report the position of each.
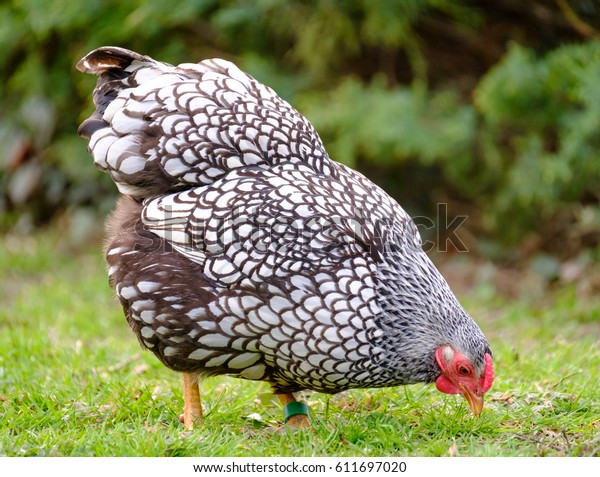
(239, 247)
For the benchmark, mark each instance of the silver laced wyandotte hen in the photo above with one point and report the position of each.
(239, 247)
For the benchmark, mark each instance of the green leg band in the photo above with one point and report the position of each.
(293, 409)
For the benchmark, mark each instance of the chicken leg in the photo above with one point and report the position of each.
(192, 408)
(300, 421)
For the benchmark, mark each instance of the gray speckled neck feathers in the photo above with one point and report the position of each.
(419, 313)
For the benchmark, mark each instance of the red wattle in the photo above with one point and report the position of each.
(488, 373)
(444, 385)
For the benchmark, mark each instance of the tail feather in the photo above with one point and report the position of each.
(110, 63)
(110, 58)
(159, 128)
(91, 125)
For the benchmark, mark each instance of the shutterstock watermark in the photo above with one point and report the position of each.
(255, 231)
(445, 229)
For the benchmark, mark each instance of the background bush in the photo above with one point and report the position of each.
(492, 108)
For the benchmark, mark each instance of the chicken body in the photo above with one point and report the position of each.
(239, 247)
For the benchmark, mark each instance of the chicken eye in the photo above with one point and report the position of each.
(463, 370)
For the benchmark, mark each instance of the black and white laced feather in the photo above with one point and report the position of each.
(241, 248)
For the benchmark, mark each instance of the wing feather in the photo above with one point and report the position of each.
(255, 224)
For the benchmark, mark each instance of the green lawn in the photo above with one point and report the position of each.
(73, 381)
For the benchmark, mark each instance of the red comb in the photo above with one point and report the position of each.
(488, 373)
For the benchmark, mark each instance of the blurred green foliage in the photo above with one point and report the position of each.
(550, 160)
(494, 109)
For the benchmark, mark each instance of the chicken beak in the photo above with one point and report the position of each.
(475, 401)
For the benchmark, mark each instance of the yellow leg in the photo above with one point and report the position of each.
(299, 420)
(192, 408)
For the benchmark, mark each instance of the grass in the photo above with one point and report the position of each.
(74, 382)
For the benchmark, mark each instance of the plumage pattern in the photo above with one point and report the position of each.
(241, 248)
(176, 127)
